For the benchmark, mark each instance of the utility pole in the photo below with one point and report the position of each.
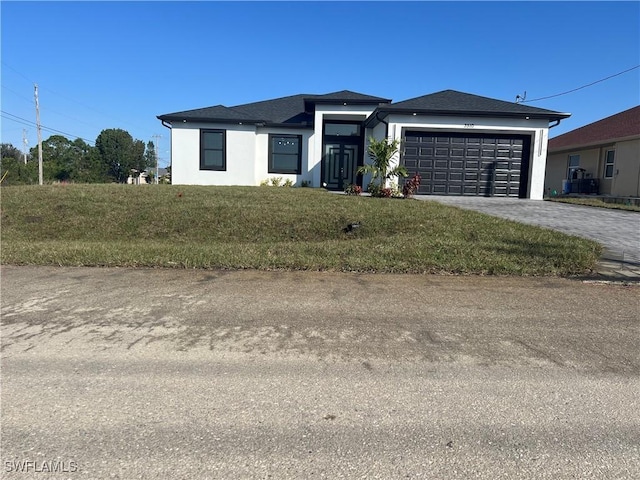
(25, 143)
(156, 137)
(39, 135)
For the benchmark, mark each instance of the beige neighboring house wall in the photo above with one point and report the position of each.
(619, 133)
(626, 181)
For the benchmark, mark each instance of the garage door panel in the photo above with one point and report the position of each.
(425, 164)
(471, 164)
(460, 164)
(441, 164)
(411, 163)
(411, 150)
(473, 152)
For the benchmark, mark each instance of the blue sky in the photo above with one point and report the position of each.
(105, 65)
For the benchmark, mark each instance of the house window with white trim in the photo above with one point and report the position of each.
(609, 161)
(285, 153)
(574, 164)
(213, 155)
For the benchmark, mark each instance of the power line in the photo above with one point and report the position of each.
(49, 110)
(29, 123)
(580, 88)
(18, 94)
(71, 99)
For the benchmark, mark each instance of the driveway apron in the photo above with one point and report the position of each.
(617, 230)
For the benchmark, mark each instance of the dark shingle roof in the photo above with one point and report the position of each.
(297, 110)
(621, 125)
(347, 95)
(292, 110)
(452, 101)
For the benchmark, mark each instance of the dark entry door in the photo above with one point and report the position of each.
(340, 164)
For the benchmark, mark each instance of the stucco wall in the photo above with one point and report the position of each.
(626, 178)
(261, 164)
(185, 156)
(626, 182)
(332, 112)
(537, 129)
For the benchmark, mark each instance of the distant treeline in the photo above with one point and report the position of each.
(115, 157)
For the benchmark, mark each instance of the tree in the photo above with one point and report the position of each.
(58, 158)
(150, 155)
(381, 152)
(119, 153)
(13, 170)
(88, 167)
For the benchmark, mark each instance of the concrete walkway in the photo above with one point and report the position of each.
(617, 230)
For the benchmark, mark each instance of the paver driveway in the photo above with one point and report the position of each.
(617, 230)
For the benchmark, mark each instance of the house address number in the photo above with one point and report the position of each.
(469, 125)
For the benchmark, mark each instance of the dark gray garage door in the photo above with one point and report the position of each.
(467, 164)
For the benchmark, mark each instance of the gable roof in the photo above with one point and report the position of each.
(294, 110)
(621, 125)
(449, 102)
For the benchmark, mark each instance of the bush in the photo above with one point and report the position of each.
(352, 189)
(275, 181)
(288, 183)
(373, 189)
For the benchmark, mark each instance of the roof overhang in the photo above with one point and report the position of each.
(186, 119)
(308, 102)
(382, 112)
(594, 144)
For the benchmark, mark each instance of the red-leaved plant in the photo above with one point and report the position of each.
(411, 186)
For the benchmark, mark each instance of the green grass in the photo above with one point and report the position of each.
(271, 228)
(595, 202)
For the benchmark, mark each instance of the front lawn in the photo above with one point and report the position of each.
(272, 228)
(596, 202)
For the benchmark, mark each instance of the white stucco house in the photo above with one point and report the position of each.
(461, 144)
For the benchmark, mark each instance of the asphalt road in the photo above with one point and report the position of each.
(118, 373)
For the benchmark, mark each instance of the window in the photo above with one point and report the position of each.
(342, 129)
(609, 160)
(285, 153)
(213, 150)
(574, 164)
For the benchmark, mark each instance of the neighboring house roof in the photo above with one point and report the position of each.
(297, 110)
(449, 102)
(616, 127)
(289, 111)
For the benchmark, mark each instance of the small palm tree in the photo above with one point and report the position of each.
(381, 152)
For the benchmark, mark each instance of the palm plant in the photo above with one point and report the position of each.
(381, 152)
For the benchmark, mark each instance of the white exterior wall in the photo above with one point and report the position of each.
(240, 152)
(537, 129)
(261, 164)
(332, 112)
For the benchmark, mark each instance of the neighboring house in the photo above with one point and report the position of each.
(461, 144)
(147, 176)
(602, 157)
(140, 179)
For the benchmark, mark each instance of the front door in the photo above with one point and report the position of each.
(342, 153)
(340, 165)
